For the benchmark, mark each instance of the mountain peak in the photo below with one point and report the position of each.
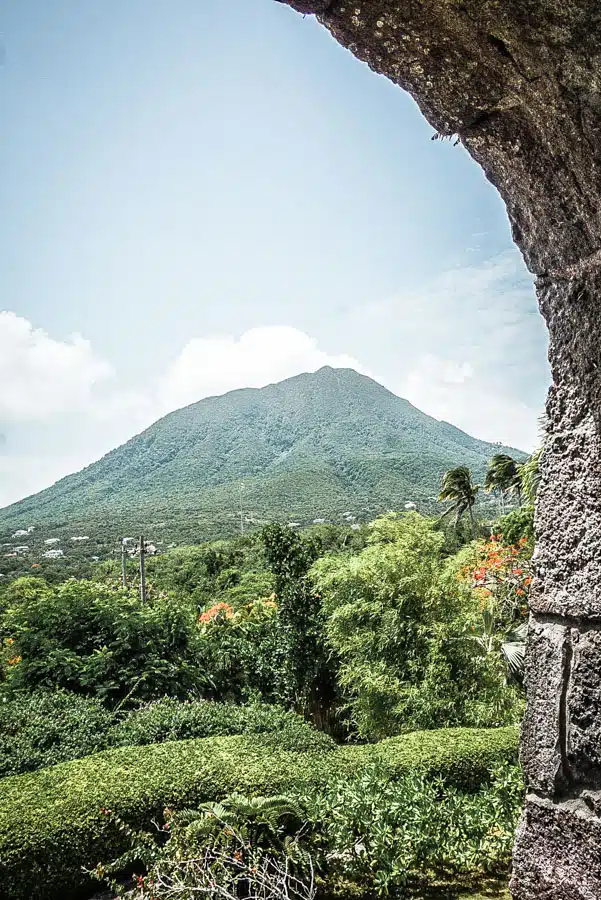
(312, 446)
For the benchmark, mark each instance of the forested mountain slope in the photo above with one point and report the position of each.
(313, 446)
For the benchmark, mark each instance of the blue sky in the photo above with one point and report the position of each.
(204, 194)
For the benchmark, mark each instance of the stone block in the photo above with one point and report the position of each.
(568, 526)
(541, 750)
(558, 852)
(583, 704)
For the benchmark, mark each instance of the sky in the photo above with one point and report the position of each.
(201, 195)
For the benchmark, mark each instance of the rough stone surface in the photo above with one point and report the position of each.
(583, 709)
(518, 82)
(558, 851)
(542, 750)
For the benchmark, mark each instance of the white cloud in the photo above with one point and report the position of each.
(214, 365)
(40, 376)
(72, 408)
(451, 391)
(484, 316)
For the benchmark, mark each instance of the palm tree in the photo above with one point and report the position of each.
(458, 487)
(530, 476)
(509, 643)
(504, 476)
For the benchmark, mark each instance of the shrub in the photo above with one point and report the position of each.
(171, 720)
(42, 729)
(51, 822)
(90, 639)
(367, 836)
(382, 605)
(378, 835)
(45, 728)
(242, 651)
(240, 847)
(518, 524)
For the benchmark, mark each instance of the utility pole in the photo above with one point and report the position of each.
(241, 517)
(142, 570)
(123, 563)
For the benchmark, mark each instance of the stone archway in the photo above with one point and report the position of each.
(519, 83)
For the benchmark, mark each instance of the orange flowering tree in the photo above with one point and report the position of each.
(241, 649)
(9, 658)
(216, 613)
(500, 579)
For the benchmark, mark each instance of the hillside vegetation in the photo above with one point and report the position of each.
(260, 706)
(314, 446)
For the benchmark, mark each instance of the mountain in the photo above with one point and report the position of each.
(314, 446)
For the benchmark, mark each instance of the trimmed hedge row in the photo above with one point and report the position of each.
(51, 823)
(174, 720)
(48, 727)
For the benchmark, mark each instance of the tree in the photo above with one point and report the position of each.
(530, 476)
(504, 476)
(501, 581)
(85, 637)
(458, 487)
(307, 671)
(403, 662)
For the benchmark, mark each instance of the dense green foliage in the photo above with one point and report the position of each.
(307, 671)
(51, 822)
(91, 639)
(402, 626)
(518, 524)
(171, 720)
(41, 729)
(371, 632)
(375, 835)
(362, 836)
(314, 446)
(374, 632)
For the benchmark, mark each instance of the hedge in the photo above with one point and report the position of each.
(174, 720)
(51, 824)
(44, 728)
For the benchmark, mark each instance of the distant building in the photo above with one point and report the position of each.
(22, 532)
(83, 537)
(20, 550)
(53, 554)
(52, 541)
(318, 521)
(294, 524)
(410, 505)
(356, 527)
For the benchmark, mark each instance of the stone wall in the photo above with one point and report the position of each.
(518, 82)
